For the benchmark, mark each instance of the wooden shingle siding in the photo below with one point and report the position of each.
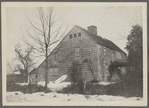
(66, 53)
(78, 49)
(105, 58)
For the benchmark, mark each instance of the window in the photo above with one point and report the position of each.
(79, 34)
(75, 35)
(70, 36)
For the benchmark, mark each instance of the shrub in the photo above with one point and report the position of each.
(72, 89)
(75, 72)
(76, 78)
(116, 89)
(31, 88)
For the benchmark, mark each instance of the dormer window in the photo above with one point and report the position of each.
(70, 36)
(79, 34)
(75, 35)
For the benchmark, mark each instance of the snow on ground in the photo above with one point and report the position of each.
(105, 83)
(62, 78)
(22, 84)
(59, 85)
(55, 86)
(58, 97)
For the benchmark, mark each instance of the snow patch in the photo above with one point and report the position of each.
(54, 86)
(105, 83)
(58, 97)
(22, 84)
(62, 78)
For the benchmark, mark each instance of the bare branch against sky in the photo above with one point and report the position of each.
(113, 22)
(44, 32)
(39, 27)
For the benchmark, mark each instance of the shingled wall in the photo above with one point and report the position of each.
(105, 57)
(65, 53)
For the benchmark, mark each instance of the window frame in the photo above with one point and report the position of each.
(70, 36)
(75, 35)
(79, 34)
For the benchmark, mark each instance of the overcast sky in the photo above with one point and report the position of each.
(112, 22)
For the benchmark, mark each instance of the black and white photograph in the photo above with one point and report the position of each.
(74, 54)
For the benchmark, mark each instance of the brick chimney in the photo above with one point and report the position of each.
(92, 29)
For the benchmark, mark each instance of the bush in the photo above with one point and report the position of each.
(17, 78)
(74, 88)
(31, 88)
(75, 72)
(91, 89)
(76, 79)
(135, 88)
(116, 89)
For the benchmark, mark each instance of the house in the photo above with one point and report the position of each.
(33, 77)
(81, 45)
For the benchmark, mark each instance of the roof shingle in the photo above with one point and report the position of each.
(102, 41)
(34, 71)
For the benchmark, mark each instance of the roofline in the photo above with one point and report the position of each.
(99, 43)
(87, 36)
(92, 26)
(57, 45)
(33, 73)
(114, 49)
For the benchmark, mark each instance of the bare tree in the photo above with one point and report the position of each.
(44, 33)
(23, 59)
(9, 67)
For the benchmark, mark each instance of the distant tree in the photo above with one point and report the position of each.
(135, 54)
(23, 59)
(9, 67)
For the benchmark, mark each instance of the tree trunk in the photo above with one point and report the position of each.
(84, 86)
(125, 86)
(46, 68)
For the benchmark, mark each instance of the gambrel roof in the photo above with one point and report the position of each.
(101, 41)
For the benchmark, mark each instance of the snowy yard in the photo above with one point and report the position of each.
(55, 86)
(59, 97)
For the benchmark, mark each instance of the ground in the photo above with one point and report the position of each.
(59, 97)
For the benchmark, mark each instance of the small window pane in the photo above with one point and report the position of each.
(79, 34)
(70, 36)
(75, 35)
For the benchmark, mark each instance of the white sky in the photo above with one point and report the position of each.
(113, 22)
